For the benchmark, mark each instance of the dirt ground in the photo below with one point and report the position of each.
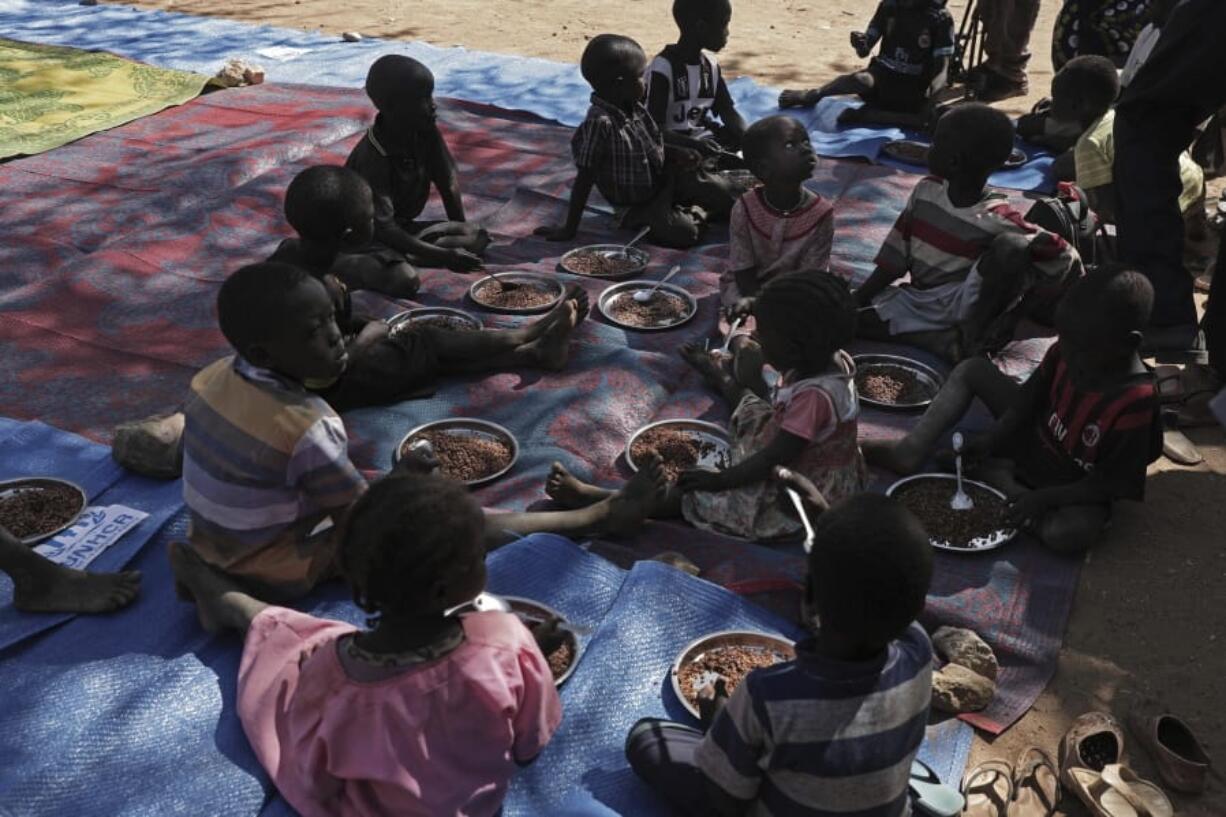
(1150, 618)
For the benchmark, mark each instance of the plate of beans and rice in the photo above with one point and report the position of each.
(895, 382)
(472, 451)
(730, 655)
(36, 508)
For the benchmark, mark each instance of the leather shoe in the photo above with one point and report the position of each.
(1182, 762)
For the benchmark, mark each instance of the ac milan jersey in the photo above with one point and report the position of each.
(1115, 432)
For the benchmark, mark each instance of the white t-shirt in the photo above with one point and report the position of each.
(691, 92)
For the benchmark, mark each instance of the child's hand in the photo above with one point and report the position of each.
(419, 458)
(372, 332)
(1031, 125)
(743, 308)
(708, 147)
(458, 260)
(859, 41)
(554, 233)
(711, 700)
(809, 493)
(1026, 509)
(701, 479)
(686, 158)
(975, 448)
(548, 634)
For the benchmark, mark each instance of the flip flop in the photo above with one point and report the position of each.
(1098, 795)
(1036, 785)
(1142, 795)
(988, 788)
(1177, 448)
(930, 796)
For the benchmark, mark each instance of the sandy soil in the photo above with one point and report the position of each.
(1150, 618)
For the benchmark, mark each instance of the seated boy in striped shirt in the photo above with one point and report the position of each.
(976, 266)
(834, 731)
(265, 460)
(1075, 437)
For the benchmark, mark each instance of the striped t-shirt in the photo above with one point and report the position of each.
(264, 462)
(817, 738)
(938, 242)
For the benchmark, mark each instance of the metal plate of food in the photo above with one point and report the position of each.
(916, 153)
(564, 659)
(472, 451)
(670, 307)
(979, 529)
(36, 508)
(895, 382)
(535, 293)
(441, 317)
(731, 654)
(612, 261)
(682, 444)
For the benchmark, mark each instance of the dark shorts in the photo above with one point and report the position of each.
(397, 367)
(893, 91)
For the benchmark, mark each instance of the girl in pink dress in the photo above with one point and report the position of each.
(807, 424)
(423, 714)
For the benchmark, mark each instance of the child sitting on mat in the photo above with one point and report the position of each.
(917, 40)
(808, 425)
(1076, 436)
(403, 155)
(685, 86)
(619, 150)
(331, 207)
(976, 265)
(423, 713)
(835, 730)
(776, 228)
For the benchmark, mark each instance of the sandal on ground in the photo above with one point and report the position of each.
(988, 788)
(1177, 448)
(1097, 794)
(1094, 740)
(1036, 785)
(1142, 795)
(930, 796)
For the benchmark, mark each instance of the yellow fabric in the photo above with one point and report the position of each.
(1095, 154)
(50, 95)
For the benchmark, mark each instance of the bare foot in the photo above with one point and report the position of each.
(798, 99)
(893, 455)
(52, 588)
(713, 371)
(220, 602)
(569, 491)
(576, 299)
(552, 349)
(638, 498)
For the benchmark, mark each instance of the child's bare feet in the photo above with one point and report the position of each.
(569, 491)
(552, 348)
(220, 603)
(799, 99)
(712, 369)
(574, 302)
(898, 456)
(642, 494)
(52, 588)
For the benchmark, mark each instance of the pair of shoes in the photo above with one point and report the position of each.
(989, 86)
(1029, 788)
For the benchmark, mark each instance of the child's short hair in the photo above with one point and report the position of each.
(759, 135)
(251, 302)
(979, 131)
(870, 569)
(321, 201)
(1091, 77)
(688, 12)
(394, 74)
(404, 534)
(814, 311)
(1115, 299)
(604, 56)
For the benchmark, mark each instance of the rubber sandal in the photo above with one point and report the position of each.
(988, 788)
(1036, 784)
(930, 796)
(1142, 795)
(1094, 740)
(1099, 796)
(1177, 448)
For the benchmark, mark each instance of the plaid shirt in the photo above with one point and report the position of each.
(624, 151)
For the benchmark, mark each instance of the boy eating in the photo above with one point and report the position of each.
(835, 730)
(685, 86)
(1075, 437)
(976, 265)
(402, 156)
(620, 151)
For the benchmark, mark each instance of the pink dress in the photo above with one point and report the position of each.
(436, 740)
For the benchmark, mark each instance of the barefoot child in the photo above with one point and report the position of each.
(403, 155)
(425, 713)
(778, 228)
(1077, 435)
(976, 265)
(833, 731)
(685, 88)
(386, 367)
(42, 586)
(809, 425)
(620, 151)
(917, 40)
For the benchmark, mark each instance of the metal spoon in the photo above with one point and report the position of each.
(625, 250)
(645, 295)
(736, 324)
(507, 286)
(961, 501)
(804, 517)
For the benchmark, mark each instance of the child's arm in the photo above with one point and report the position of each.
(783, 449)
(393, 235)
(1031, 505)
(446, 179)
(584, 180)
(863, 42)
(892, 262)
(875, 285)
(725, 109)
(1102, 201)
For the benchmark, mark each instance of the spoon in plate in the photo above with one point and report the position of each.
(645, 295)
